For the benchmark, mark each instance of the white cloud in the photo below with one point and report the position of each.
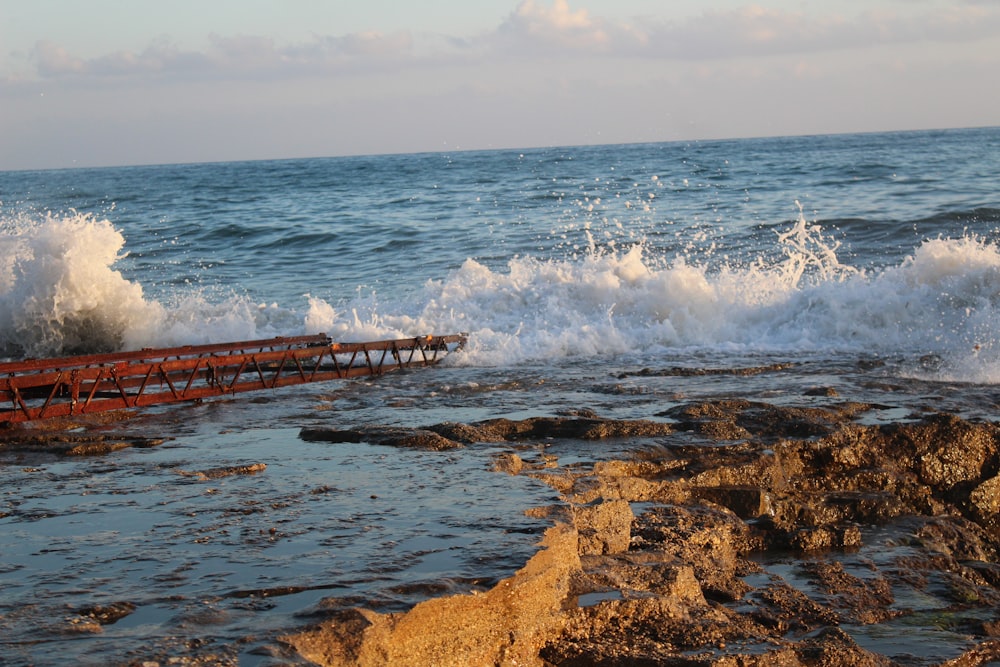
(743, 32)
(537, 29)
(237, 56)
(53, 60)
(558, 25)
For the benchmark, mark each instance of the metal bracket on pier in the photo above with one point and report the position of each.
(67, 386)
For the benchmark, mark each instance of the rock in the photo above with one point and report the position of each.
(107, 614)
(640, 573)
(672, 585)
(507, 625)
(746, 501)
(949, 450)
(833, 646)
(709, 538)
(733, 419)
(69, 444)
(985, 501)
(545, 428)
(388, 436)
(604, 527)
(508, 463)
(225, 471)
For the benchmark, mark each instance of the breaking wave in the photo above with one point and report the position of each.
(60, 294)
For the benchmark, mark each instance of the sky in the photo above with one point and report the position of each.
(120, 82)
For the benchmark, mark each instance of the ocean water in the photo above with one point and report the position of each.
(868, 263)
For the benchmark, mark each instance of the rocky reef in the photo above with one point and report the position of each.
(736, 533)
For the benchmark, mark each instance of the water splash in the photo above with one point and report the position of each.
(808, 253)
(59, 293)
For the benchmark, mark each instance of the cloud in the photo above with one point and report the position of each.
(742, 32)
(538, 29)
(237, 56)
(53, 60)
(558, 25)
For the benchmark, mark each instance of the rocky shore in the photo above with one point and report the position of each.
(738, 533)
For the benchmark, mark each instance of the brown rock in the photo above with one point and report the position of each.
(985, 500)
(949, 450)
(833, 646)
(509, 463)
(673, 586)
(507, 625)
(604, 527)
(746, 501)
(636, 573)
(389, 436)
(710, 538)
(225, 471)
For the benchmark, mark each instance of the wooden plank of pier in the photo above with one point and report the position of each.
(68, 386)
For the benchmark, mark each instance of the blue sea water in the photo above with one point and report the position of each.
(860, 261)
(880, 242)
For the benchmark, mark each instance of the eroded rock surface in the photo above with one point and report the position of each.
(761, 535)
(70, 444)
(509, 624)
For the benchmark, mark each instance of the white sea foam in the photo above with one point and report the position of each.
(941, 301)
(59, 293)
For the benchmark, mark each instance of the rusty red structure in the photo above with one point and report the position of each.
(80, 385)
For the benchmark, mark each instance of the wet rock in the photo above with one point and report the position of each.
(681, 371)
(388, 436)
(546, 428)
(225, 471)
(109, 613)
(82, 625)
(782, 608)
(957, 537)
(464, 433)
(734, 419)
(860, 601)
(746, 501)
(67, 444)
(451, 435)
(508, 463)
(818, 538)
(986, 653)
(985, 502)
(833, 646)
(687, 578)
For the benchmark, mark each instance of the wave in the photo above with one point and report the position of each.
(60, 294)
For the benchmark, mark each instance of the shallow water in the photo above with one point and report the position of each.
(231, 561)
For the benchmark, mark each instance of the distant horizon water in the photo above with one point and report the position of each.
(458, 148)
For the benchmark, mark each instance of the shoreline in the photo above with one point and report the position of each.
(714, 533)
(774, 535)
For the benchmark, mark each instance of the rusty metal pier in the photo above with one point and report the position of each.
(81, 385)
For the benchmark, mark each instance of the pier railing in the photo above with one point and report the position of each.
(59, 387)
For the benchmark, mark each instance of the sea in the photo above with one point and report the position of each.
(617, 279)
